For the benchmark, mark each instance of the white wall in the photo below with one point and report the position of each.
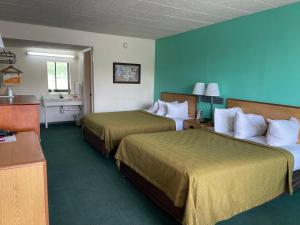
(107, 49)
(34, 68)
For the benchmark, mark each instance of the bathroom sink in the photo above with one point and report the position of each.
(57, 101)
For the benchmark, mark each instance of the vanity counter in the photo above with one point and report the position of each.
(20, 113)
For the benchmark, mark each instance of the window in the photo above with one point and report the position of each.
(58, 76)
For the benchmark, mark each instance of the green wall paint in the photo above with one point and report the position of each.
(255, 57)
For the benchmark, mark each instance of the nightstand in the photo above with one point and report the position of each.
(194, 124)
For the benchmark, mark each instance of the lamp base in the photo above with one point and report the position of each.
(212, 108)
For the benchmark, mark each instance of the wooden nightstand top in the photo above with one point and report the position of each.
(194, 124)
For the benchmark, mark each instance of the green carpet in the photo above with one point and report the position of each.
(86, 189)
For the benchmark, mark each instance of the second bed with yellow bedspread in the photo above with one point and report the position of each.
(111, 127)
(211, 176)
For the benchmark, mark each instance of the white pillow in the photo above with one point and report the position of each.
(153, 108)
(249, 125)
(224, 118)
(283, 132)
(179, 110)
(162, 107)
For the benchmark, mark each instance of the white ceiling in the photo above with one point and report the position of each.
(138, 18)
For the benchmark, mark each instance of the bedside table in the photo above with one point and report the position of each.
(194, 124)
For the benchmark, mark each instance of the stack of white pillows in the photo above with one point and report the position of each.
(170, 109)
(243, 126)
(233, 120)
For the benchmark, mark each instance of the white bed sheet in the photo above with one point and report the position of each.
(178, 121)
(293, 149)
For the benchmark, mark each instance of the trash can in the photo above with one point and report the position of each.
(78, 119)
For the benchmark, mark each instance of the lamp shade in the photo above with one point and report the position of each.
(199, 89)
(212, 90)
(1, 42)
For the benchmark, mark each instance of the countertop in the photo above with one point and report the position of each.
(26, 150)
(19, 100)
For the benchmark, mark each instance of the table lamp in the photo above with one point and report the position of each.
(199, 89)
(212, 91)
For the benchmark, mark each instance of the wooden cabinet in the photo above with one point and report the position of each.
(21, 113)
(194, 124)
(23, 182)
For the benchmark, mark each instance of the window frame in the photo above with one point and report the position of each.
(68, 74)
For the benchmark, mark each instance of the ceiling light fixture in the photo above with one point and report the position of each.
(51, 55)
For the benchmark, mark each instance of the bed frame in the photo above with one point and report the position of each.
(96, 142)
(99, 144)
(268, 110)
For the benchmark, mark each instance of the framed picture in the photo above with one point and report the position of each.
(127, 73)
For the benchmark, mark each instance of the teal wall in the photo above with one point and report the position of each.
(255, 57)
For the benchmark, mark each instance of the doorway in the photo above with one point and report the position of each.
(88, 92)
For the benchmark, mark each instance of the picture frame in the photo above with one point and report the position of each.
(126, 73)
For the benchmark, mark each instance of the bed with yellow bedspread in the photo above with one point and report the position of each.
(211, 176)
(111, 127)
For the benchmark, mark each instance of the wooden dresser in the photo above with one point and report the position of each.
(21, 113)
(23, 182)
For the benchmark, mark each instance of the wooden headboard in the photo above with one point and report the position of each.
(267, 110)
(192, 100)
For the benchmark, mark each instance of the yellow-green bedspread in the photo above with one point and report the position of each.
(212, 176)
(111, 127)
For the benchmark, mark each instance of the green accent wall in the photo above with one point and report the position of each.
(255, 57)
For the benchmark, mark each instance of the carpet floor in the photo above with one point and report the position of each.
(86, 188)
